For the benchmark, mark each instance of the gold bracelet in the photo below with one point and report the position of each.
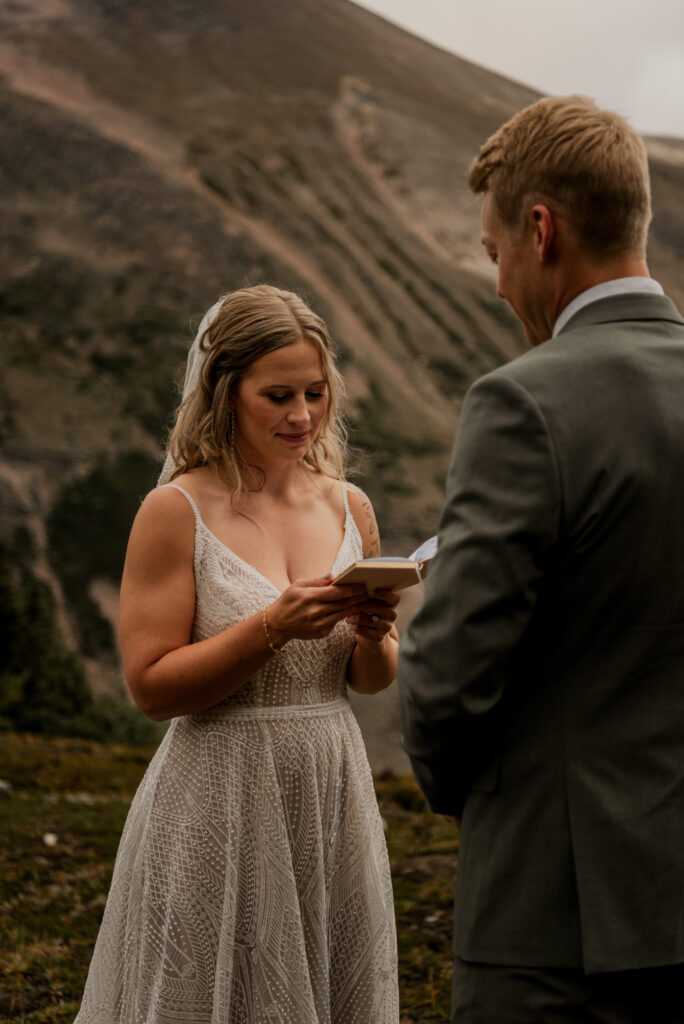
(270, 643)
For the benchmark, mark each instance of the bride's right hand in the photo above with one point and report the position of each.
(310, 609)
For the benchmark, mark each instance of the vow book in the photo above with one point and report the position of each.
(388, 572)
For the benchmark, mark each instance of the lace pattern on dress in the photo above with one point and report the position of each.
(252, 884)
(230, 590)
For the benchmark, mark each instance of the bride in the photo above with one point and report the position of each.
(252, 883)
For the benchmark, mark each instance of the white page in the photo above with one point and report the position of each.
(428, 549)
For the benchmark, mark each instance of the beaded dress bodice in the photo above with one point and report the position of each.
(229, 590)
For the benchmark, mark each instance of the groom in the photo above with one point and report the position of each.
(542, 683)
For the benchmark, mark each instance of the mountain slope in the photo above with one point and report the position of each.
(158, 154)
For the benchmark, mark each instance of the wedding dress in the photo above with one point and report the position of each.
(252, 883)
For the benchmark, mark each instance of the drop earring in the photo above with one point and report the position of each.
(231, 429)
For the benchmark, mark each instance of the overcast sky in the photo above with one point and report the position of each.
(627, 54)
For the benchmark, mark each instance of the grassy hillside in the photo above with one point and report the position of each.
(61, 821)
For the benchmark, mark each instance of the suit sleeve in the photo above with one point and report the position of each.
(498, 526)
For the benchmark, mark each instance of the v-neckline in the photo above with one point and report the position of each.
(252, 568)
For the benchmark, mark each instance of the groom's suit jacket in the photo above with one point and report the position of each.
(542, 683)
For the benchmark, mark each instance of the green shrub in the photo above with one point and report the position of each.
(115, 721)
(88, 530)
(43, 685)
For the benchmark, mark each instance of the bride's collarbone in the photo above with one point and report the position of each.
(284, 549)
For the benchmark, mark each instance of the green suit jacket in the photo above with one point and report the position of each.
(542, 682)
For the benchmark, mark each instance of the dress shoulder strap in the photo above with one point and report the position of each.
(345, 497)
(191, 500)
(200, 529)
(352, 533)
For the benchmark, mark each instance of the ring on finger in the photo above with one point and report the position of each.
(374, 618)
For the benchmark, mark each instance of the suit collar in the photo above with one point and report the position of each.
(615, 286)
(615, 308)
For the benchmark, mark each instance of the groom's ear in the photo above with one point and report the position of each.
(544, 228)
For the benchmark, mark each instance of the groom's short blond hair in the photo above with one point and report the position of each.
(588, 163)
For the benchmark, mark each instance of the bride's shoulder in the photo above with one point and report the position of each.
(353, 488)
(196, 487)
(356, 497)
(166, 504)
(182, 498)
(164, 528)
(362, 510)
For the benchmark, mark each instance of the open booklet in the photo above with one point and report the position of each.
(390, 573)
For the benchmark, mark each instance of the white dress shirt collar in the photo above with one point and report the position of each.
(620, 286)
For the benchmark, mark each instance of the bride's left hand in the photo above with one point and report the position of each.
(374, 618)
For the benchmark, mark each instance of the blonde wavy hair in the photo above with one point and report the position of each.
(565, 150)
(250, 323)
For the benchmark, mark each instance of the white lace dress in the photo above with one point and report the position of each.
(252, 884)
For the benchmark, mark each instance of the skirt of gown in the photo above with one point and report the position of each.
(252, 882)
